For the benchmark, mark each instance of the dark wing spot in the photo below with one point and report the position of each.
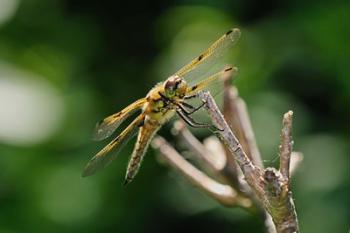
(228, 69)
(200, 57)
(117, 115)
(194, 88)
(229, 32)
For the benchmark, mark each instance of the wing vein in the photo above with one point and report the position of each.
(103, 158)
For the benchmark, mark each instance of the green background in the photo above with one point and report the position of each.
(64, 65)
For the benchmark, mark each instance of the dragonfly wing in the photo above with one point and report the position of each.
(146, 134)
(217, 49)
(103, 158)
(207, 81)
(107, 126)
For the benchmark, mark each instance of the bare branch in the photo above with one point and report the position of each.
(252, 173)
(224, 194)
(236, 114)
(213, 162)
(230, 169)
(270, 186)
(281, 204)
(209, 162)
(286, 145)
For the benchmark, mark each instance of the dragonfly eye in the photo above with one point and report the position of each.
(170, 93)
(170, 87)
(175, 86)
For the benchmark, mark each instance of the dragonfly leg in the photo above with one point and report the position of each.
(193, 109)
(183, 106)
(189, 120)
(191, 96)
(187, 105)
(197, 108)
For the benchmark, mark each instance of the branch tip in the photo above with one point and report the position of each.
(229, 76)
(286, 145)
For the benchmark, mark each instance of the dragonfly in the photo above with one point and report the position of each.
(160, 104)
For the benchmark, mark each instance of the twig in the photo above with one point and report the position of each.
(224, 194)
(236, 114)
(282, 204)
(215, 164)
(237, 117)
(231, 169)
(270, 186)
(286, 145)
(252, 173)
(207, 161)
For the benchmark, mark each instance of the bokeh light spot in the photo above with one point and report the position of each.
(8, 9)
(31, 108)
(67, 198)
(325, 160)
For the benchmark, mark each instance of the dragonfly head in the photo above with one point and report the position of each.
(175, 86)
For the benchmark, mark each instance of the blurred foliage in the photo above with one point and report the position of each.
(66, 64)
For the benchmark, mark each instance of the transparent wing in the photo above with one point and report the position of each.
(216, 50)
(208, 81)
(103, 158)
(107, 126)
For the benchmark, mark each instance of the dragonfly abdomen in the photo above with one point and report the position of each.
(145, 135)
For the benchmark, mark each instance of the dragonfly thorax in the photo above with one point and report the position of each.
(175, 86)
